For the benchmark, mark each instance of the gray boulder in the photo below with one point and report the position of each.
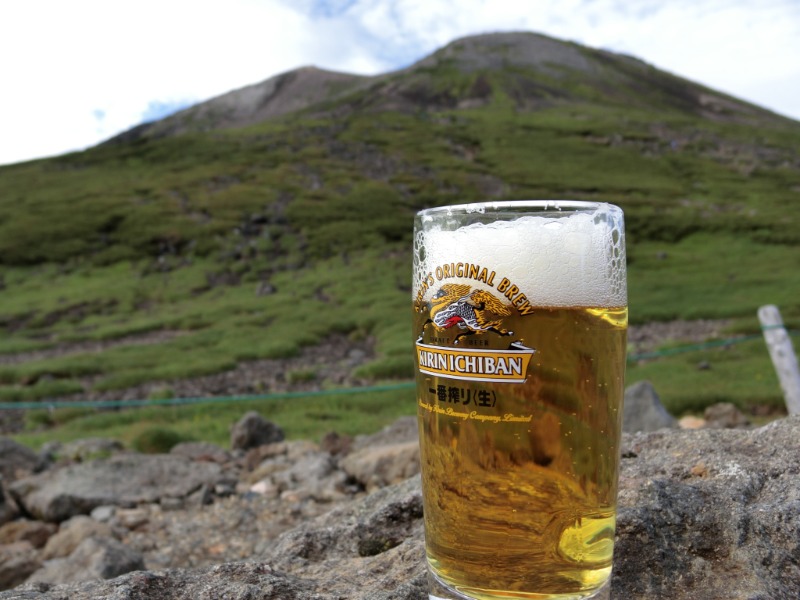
(242, 580)
(253, 430)
(312, 476)
(386, 457)
(643, 410)
(724, 415)
(710, 514)
(94, 558)
(72, 533)
(368, 550)
(8, 508)
(201, 451)
(121, 480)
(375, 467)
(404, 429)
(17, 460)
(35, 532)
(17, 562)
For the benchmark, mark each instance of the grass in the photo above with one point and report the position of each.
(712, 276)
(221, 327)
(686, 388)
(687, 382)
(309, 417)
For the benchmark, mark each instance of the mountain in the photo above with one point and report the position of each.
(535, 71)
(273, 218)
(280, 95)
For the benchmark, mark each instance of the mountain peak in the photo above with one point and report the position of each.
(511, 49)
(279, 95)
(533, 70)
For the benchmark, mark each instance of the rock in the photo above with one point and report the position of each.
(312, 476)
(172, 503)
(336, 444)
(377, 541)
(265, 487)
(201, 451)
(103, 513)
(16, 460)
(35, 532)
(255, 457)
(242, 580)
(690, 422)
(17, 562)
(49, 450)
(121, 480)
(71, 533)
(725, 415)
(299, 470)
(404, 429)
(643, 410)
(711, 513)
(253, 430)
(8, 508)
(386, 457)
(201, 497)
(94, 558)
(132, 518)
(379, 466)
(369, 550)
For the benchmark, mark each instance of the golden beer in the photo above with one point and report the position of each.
(520, 408)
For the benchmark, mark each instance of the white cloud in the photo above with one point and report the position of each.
(65, 62)
(74, 58)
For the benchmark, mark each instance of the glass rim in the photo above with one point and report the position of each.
(512, 206)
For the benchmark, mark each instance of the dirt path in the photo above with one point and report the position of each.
(92, 346)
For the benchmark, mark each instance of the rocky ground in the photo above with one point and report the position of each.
(711, 514)
(197, 506)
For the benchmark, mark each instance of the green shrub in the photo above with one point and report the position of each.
(158, 440)
(391, 367)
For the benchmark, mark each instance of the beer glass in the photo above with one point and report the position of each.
(520, 320)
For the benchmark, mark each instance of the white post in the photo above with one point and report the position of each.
(783, 357)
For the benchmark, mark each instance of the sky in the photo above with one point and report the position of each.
(76, 72)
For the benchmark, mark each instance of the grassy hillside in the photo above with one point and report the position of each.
(254, 242)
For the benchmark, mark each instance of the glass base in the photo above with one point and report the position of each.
(438, 590)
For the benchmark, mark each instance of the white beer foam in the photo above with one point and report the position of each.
(576, 260)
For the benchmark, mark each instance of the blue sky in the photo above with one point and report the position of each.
(78, 72)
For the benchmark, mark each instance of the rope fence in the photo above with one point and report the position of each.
(44, 404)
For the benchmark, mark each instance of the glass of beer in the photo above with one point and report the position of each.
(520, 320)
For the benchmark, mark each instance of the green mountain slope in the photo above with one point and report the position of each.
(276, 217)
